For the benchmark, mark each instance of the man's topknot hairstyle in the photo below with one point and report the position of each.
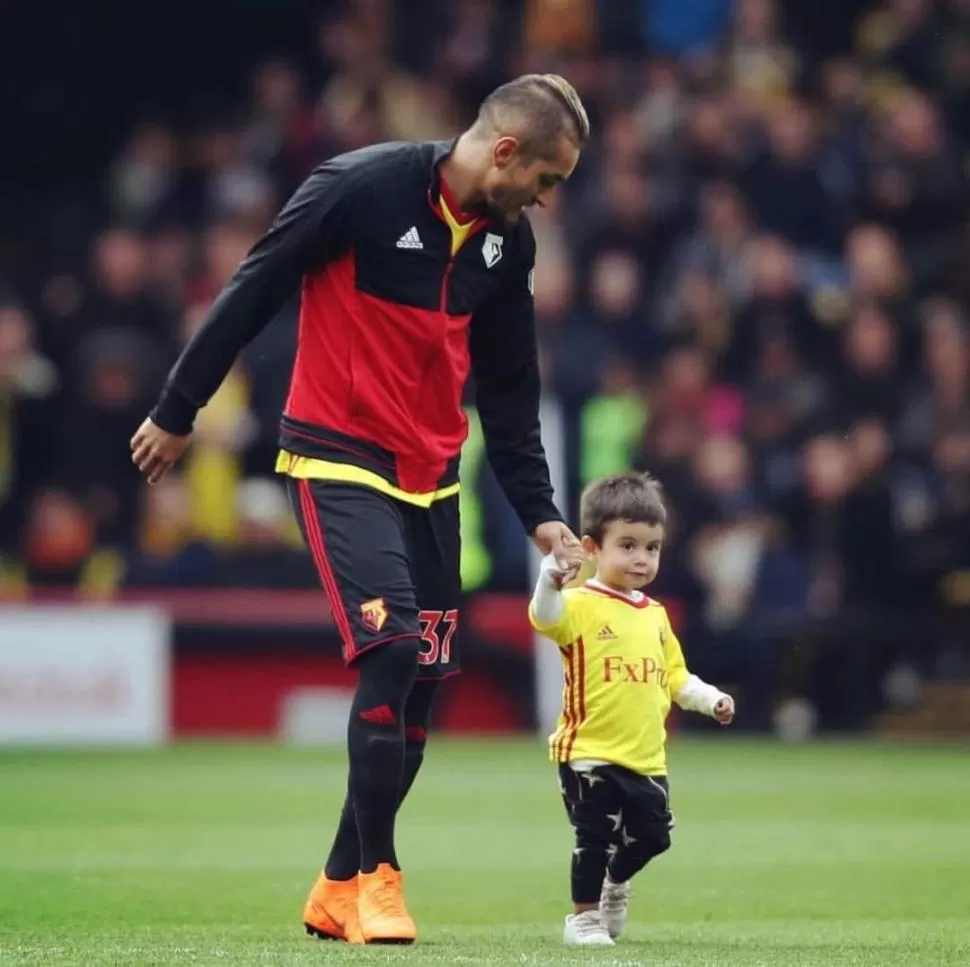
(545, 105)
(633, 497)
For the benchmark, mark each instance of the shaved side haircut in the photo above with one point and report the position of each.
(544, 107)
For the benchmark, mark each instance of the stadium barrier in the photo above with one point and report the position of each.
(181, 663)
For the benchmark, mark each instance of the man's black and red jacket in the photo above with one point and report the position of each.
(392, 323)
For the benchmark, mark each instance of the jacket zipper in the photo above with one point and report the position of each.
(443, 303)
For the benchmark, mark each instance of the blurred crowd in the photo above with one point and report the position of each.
(756, 286)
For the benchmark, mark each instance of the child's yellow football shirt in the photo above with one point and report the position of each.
(623, 665)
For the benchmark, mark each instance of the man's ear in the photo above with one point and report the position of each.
(505, 151)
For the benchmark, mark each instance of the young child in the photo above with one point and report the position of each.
(623, 666)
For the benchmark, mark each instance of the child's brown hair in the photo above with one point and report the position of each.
(633, 496)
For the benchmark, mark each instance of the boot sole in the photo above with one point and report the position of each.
(322, 934)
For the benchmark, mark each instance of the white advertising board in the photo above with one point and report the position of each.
(83, 676)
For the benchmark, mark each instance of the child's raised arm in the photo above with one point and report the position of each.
(548, 604)
(548, 611)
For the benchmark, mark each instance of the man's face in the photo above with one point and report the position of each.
(516, 181)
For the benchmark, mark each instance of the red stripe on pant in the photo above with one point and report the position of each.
(314, 532)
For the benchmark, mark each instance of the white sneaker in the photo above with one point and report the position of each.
(614, 906)
(586, 930)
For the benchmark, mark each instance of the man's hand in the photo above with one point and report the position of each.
(554, 537)
(154, 450)
(724, 710)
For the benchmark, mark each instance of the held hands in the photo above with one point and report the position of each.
(555, 538)
(154, 450)
(724, 710)
(551, 574)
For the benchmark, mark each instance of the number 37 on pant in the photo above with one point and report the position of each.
(437, 630)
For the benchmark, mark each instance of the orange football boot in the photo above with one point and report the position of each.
(331, 910)
(381, 912)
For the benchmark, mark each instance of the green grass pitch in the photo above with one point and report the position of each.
(826, 854)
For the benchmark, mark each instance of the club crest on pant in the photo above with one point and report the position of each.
(492, 248)
(374, 614)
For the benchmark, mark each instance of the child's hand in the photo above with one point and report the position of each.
(724, 710)
(558, 577)
(555, 574)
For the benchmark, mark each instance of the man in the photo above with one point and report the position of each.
(415, 266)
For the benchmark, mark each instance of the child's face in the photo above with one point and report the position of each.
(629, 556)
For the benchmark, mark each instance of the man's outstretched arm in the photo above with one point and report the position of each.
(309, 232)
(505, 363)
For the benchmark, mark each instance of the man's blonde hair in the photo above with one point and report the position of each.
(545, 105)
